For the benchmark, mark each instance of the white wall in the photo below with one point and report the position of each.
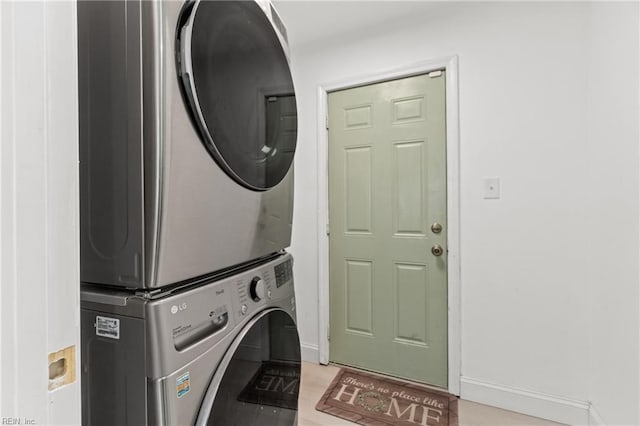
(613, 140)
(39, 291)
(534, 286)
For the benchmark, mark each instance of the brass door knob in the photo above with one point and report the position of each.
(436, 228)
(437, 250)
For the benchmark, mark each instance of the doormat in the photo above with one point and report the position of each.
(275, 384)
(373, 400)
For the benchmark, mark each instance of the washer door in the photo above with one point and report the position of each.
(257, 382)
(236, 79)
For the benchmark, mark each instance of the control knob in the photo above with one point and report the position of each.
(256, 289)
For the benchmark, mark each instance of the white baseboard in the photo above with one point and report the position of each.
(310, 353)
(531, 403)
(594, 417)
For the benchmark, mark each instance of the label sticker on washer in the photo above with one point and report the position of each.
(183, 384)
(108, 327)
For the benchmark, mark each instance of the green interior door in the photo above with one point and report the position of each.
(387, 216)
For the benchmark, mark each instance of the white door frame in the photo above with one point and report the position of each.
(450, 64)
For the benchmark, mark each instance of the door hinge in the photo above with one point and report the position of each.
(328, 333)
(434, 74)
(326, 122)
(328, 230)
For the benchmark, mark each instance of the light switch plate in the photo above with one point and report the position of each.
(491, 188)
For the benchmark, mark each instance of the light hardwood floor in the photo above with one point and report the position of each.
(316, 378)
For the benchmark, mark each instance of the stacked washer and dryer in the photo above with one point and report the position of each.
(188, 130)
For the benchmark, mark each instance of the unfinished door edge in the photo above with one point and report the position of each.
(450, 65)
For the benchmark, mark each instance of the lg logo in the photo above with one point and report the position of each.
(176, 308)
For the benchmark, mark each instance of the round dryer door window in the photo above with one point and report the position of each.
(236, 78)
(258, 381)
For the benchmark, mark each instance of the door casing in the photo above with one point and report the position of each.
(450, 65)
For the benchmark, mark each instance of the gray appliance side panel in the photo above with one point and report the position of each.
(111, 171)
(114, 384)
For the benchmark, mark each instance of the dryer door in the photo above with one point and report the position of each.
(257, 382)
(235, 74)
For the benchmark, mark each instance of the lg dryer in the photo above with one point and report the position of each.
(223, 354)
(188, 130)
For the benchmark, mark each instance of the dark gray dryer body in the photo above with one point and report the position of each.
(226, 353)
(188, 129)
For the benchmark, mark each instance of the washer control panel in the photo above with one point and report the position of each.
(284, 273)
(187, 323)
(263, 285)
(257, 289)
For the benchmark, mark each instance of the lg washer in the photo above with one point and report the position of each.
(226, 353)
(188, 130)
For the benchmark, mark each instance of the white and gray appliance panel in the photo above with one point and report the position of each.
(188, 129)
